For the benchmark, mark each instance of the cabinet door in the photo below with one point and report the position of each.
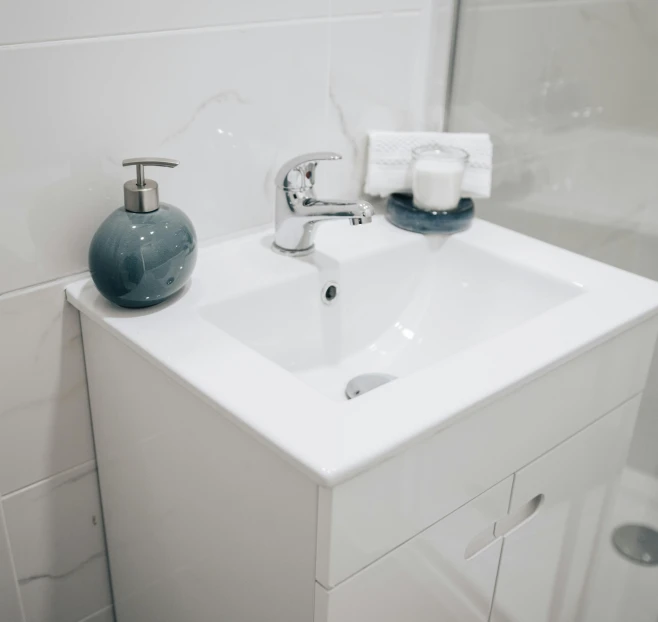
(546, 561)
(444, 574)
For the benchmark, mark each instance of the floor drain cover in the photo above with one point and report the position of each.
(364, 383)
(637, 543)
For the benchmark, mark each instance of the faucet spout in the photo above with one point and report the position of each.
(295, 228)
(327, 210)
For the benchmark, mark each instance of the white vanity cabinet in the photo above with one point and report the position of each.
(205, 522)
(520, 552)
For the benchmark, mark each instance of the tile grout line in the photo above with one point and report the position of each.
(29, 289)
(5, 533)
(13, 493)
(330, 33)
(452, 61)
(426, 73)
(155, 33)
(65, 279)
(233, 26)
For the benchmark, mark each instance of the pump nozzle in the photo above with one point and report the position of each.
(141, 194)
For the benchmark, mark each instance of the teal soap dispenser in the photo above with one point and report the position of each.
(145, 251)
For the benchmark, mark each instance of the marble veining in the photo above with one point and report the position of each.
(372, 85)
(219, 98)
(62, 575)
(58, 546)
(345, 130)
(10, 606)
(228, 123)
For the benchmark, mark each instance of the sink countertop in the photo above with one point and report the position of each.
(333, 440)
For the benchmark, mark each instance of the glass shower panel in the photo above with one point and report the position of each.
(568, 90)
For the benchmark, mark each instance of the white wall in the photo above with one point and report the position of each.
(569, 91)
(232, 89)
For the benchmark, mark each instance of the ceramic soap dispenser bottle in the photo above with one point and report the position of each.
(145, 251)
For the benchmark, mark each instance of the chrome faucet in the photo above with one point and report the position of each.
(298, 211)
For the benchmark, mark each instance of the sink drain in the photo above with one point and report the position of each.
(637, 543)
(364, 383)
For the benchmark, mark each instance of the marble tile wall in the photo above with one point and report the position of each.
(569, 92)
(53, 566)
(231, 89)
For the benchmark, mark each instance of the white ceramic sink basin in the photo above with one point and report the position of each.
(458, 320)
(404, 302)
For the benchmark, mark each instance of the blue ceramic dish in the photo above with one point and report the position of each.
(401, 212)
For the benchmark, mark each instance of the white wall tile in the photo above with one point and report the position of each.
(10, 608)
(56, 533)
(220, 101)
(44, 410)
(41, 20)
(374, 85)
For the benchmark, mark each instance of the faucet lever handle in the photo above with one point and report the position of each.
(299, 173)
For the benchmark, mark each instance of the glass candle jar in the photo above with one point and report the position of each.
(437, 176)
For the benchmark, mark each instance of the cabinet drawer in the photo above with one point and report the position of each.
(428, 578)
(361, 520)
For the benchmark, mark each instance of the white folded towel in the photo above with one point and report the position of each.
(389, 160)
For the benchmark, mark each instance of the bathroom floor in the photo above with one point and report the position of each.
(624, 591)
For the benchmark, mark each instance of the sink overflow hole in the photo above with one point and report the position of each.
(329, 292)
(366, 382)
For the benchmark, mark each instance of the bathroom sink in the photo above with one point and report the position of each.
(395, 304)
(454, 322)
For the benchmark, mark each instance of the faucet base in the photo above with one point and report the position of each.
(292, 252)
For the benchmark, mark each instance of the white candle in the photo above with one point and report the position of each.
(437, 177)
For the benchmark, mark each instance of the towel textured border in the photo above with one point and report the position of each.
(389, 160)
